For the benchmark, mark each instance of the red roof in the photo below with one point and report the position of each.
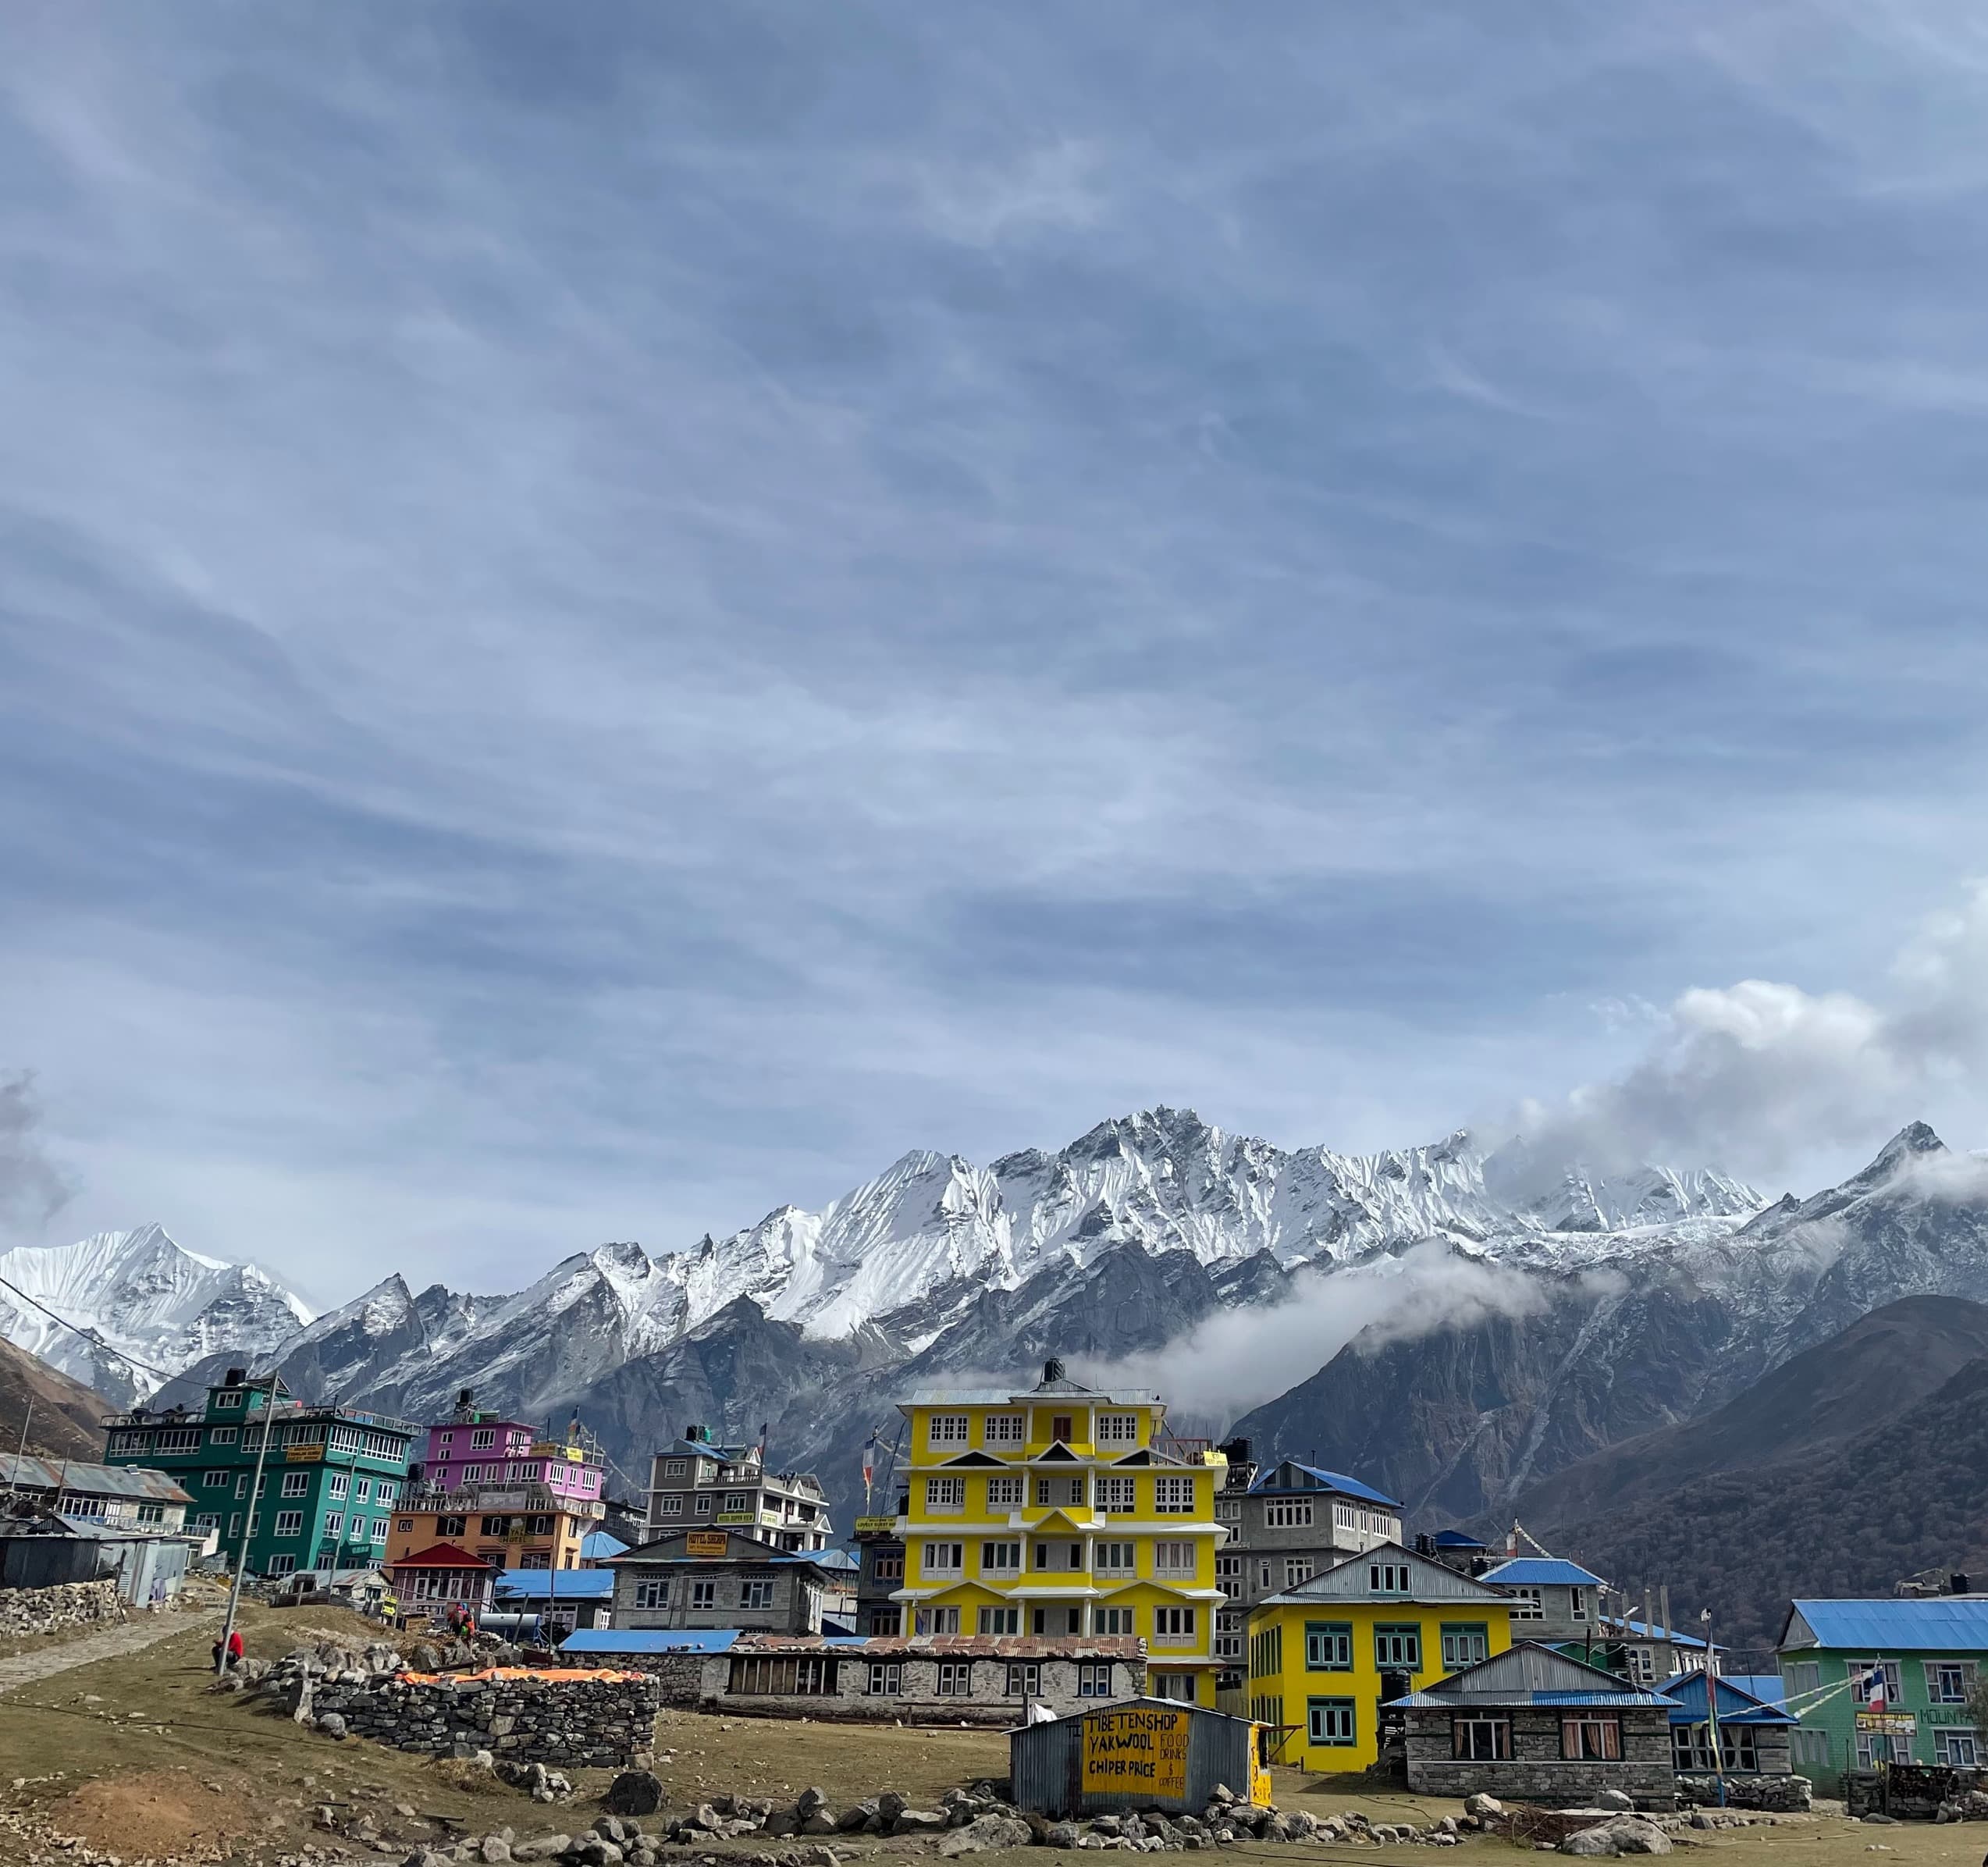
(442, 1555)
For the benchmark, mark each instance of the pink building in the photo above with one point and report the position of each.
(475, 1449)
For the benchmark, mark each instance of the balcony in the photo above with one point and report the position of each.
(468, 1499)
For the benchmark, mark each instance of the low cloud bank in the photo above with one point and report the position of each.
(32, 1189)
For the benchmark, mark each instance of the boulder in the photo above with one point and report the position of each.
(819, 1821)
(961, 1840)
(997, 1831)
(493, 1847)
(1614, 1798)
(858, 1816)
(919, 1821)
(889, 1805)
(546, 1848)
(1625, 1834)
(1481, 1805)
(784, 1821)
(1062, 1834)
(807, 1801)
(609, 1828)
(634, 1792)
(331, 1724)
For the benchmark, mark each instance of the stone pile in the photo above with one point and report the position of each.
(24, 1611)
(1970, 1805)
(573, 1722)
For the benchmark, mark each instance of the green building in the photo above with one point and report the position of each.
(1931, 1648)
(330, 1484)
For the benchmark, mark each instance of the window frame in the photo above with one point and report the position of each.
(1575, 1728)
(1407, 1636)
(1331, 1711)
(1496, 1729)
(1452, 1634)
(1330, 1637)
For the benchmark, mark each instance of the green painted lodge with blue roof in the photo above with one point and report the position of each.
(1931, 1649)
(331, 1480)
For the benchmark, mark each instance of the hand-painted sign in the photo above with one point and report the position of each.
(1137, 1747)
(704, 1542)
(303, 1455)
(1892, 1724)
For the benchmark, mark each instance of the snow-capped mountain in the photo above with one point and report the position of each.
(143, 1299)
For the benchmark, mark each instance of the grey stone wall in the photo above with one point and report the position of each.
(1777, 1793)
(539, 1718)
(65, 1605)
(1537, 1773)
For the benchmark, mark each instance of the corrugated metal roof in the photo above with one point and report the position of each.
(649, 1639)
(1646, 1631)
(1457, 1539)
(1770, 1689)
(1940, 1624)
(1737, 1705)
(1535, 1571)
(570, 1584)
(1332, 1481)
(29, 1473)
(597, 1546)
(1450, 1701)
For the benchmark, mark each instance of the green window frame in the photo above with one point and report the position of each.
(1464, 1643)
(1331, 1721)
(1328, 1646)
(1398, 1647)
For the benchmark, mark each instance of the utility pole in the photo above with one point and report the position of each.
(248, 1519)
(1712, 1707)
(13, 1483)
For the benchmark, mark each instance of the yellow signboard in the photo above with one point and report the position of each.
(737, 1517)
(705, 1542)
(303, 1455)
(1892, 1724)
(1136, 1748)
(875, 1526)
(1260, 1738)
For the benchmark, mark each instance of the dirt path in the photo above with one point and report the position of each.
(132, 1636)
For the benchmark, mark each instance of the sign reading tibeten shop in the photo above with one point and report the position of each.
(1137, 1747)
(705, 1542)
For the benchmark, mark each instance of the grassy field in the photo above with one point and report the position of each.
(135, 1755)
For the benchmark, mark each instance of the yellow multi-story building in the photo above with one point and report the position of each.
(1061, 1510)
(1325, 1655)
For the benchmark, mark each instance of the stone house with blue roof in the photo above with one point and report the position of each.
(1295, 1521)
(1753, 1750)
(1929, 1650)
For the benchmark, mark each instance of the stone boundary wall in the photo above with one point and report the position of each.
(572, 1723)
(678, 1677)
(1775, 1794)
(64, 1604)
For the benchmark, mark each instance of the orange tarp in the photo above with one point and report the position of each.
(551, 1672)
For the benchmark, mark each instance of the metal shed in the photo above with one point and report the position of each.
(1139, 1753)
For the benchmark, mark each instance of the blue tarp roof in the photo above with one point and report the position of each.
(1332, 1481)
(566, 1584)
(1534, 1571)
(1940, 1624)
(649, 1639)
(597, 1546)
(1686, 1691)
(1457, 1539)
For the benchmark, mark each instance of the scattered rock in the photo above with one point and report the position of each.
(635, 1792)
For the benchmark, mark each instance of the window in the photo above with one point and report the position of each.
(946, 1429)
(334, 1524)
(1327, 1646)
(1479, 1739)
(651, 1592)
(1525, 1604)
(1465, 1645)
(1094, 1679)
(1179, 1687)
(936, 1620)
(1592, 1740)
(1173, 1626)
(289, 1523)
(944, 1559)
(1330, 1720)
(537, 1526)
(295, 1484)
(955, 1679)
(1112, 1621)
(1860, 1674)
(1578, 1600)
(1116, 1558)
(234, 1523)
(1003, 1429)
(335, 1486)
(704, 1594)
(1956, 1749)
(1388, 1578)
(1874, 1748)
(386, 1491)
(1643, 1665)
(743, 1500)
(945, 1494)
(675, 1468)
(483, 1436)
(1263, 1576)
(1267, 1653)
(1024, 1679)
(223, 1435)
(1063, 1426)
(282, 1565)
(758, 1593)
(496, 1526)
(669, 1504)
(179, 1439)
(809, 1677)
(1802, 1676)
(228, 1397)
(214, 1480)
(1287, 1514)
(1117, 1494)
(1229, 1646)
(1059, 1555)
(1174, 1559)
(1173, 1497)
(1398, 1648)
(1001, 1558)
(1810, 1746)
(1297, 1569)
(1004, 1494)
(1059, 1491)
(362, 1489)
(703, 1508)
(379, 1533)
(1949, 1682)
(1118, 1429)
(451, 1526)
(1228, 1510)
(889, 1568)
(886, 1678)
(1001, 1621)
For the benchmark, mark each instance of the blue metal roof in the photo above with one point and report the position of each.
(1940, 1624)
(1599, 1696)
(564, 1585)
(649, 1639)
(1534, 1571)
(1332, 1481)
(1770, 1689)
(1457, 1539)
(1643, 1631)
(597, 1546)
(1686, 1691)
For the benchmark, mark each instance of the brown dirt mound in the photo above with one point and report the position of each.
(160, 1812)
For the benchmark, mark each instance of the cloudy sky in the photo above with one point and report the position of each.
(610, 615)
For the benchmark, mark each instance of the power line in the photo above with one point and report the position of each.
(89, 1335)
